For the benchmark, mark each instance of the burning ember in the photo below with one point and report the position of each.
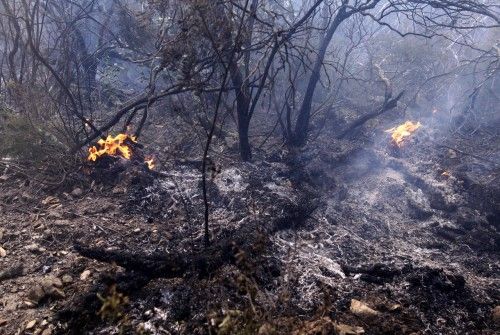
(150, 162)
(116, 146)
(401, 132)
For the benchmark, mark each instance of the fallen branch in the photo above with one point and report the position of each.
(387, 106)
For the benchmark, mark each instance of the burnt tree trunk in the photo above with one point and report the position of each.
(242, 109)
(303, 118)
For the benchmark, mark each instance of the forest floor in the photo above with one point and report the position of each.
(348, 237)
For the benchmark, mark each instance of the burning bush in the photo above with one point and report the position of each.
(120, 145)
(403, 131)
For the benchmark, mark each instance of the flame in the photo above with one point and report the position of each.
(401, 132)
(150, 162)
(115, 146)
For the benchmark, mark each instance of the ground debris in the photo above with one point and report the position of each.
(360, 308)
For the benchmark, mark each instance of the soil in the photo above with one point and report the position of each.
(346, 237)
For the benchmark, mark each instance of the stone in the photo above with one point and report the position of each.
(85, 275)
(49, 287)
(33, 247)
(3, 253)
(66, 279)
(36, 294)
(77, 192)
(51, 281)
(29, 304)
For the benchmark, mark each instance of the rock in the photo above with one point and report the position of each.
(359, 308)
(66, 279)
(85, 275)
(137, 230)
(48, 288)
(30, 324)
(36, 294)
(495, 315)
(3, 178)
(51, 281)
(29, 304)
(48, 331)
(35, 248)
(77, 192)
(3, 253)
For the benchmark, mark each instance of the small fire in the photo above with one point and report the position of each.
(150, 162)
(115, 146)
(401, 132)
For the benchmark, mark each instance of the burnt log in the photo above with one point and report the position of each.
(388, 105)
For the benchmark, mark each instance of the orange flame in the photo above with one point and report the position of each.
(401, 132)
(115, 146)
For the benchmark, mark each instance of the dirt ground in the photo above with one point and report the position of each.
(387, 241)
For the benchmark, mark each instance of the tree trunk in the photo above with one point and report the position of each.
(242, 109)
(302, 124)
(245, 149)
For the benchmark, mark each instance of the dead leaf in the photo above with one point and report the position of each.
(50, 200)
(395, 307)
(361, 309)
(30, 324)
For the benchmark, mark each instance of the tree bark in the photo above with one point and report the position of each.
(302, 124)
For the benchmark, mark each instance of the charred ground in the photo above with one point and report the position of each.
(295, 238)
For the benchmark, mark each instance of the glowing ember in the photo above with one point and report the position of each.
(401, 132)
(115, 146)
